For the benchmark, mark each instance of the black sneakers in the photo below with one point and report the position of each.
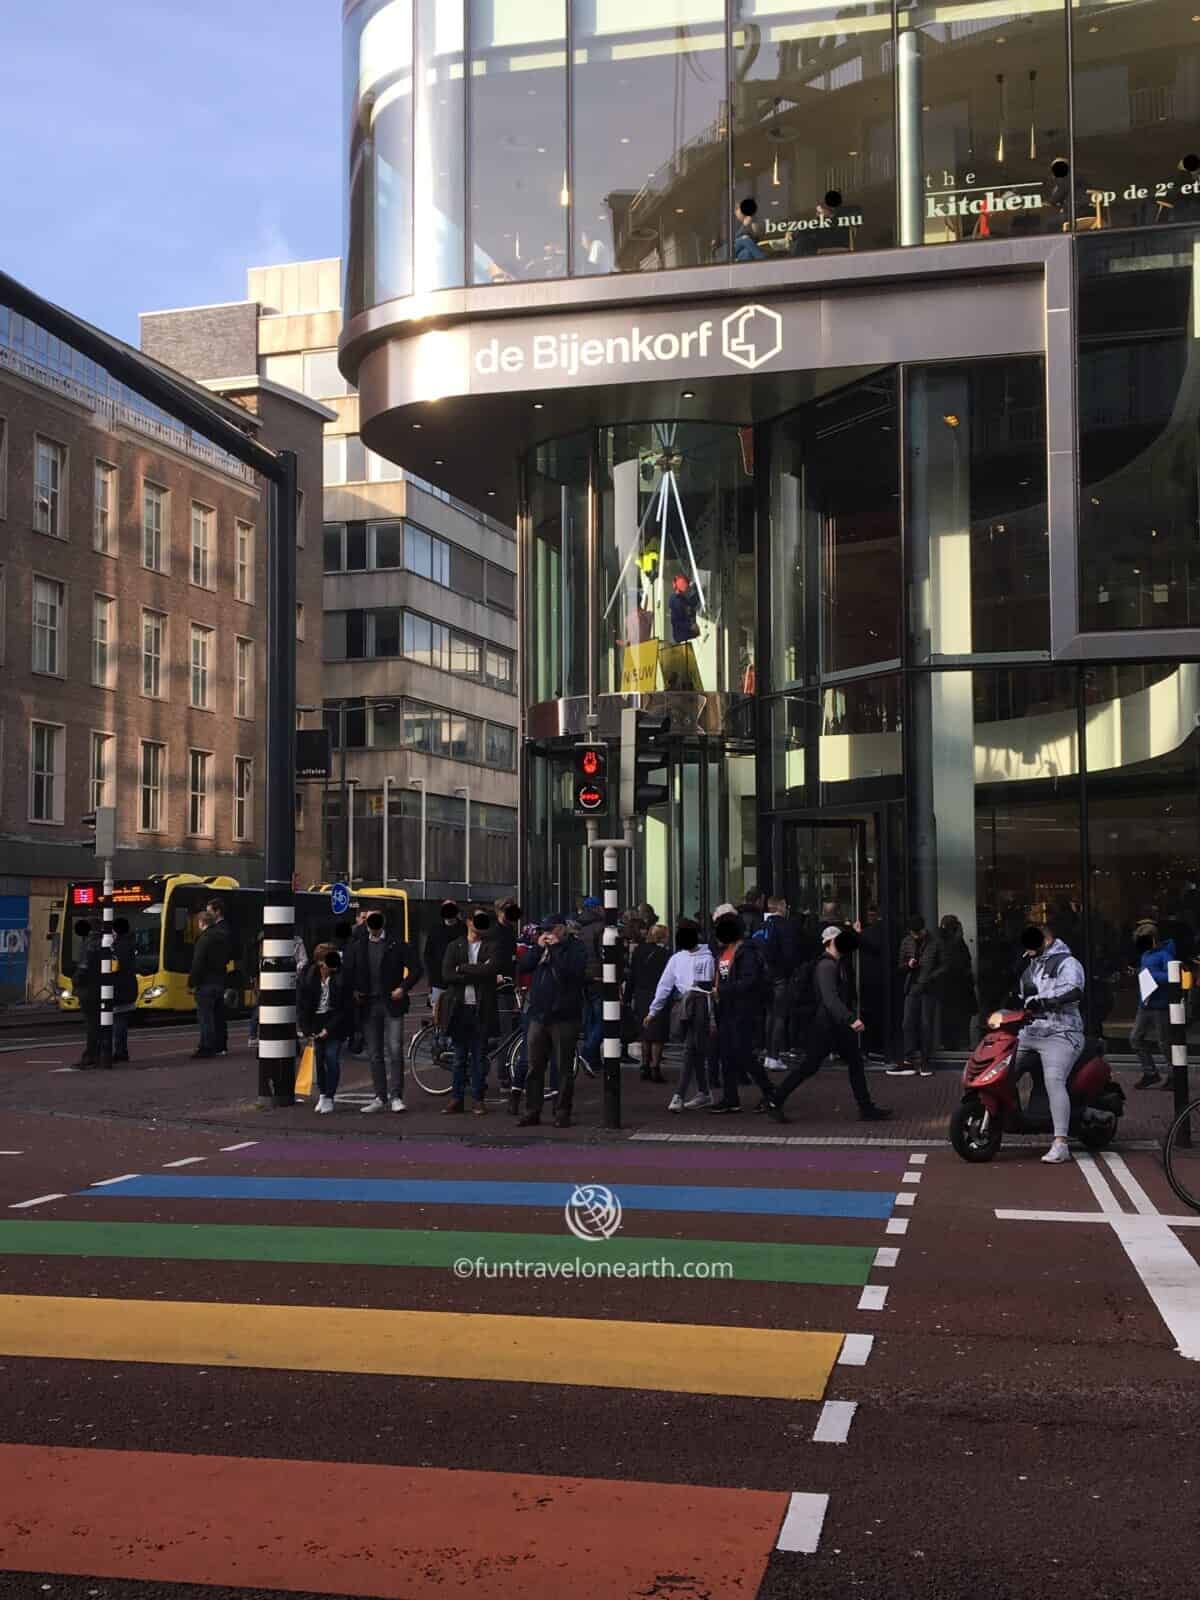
(873, 1113)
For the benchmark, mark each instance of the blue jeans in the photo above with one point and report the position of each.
(468, 1050)
(384, 1038)
(210, 1009)
(328, 1065)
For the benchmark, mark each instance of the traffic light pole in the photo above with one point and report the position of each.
(612, 995)
(107, 986)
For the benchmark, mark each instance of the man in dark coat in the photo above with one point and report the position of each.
(558, 963)
(85, 981)
(837, 1026)
(921, 967)
(380, 974)
(469, 974)
(439, 939)
(210, 961)
(125, 986)
(743, 991)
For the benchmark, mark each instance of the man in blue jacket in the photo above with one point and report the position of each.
(1153, 1013)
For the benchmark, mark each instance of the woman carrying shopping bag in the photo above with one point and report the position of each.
(326, 1018)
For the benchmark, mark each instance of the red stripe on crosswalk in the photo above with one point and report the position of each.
(337, 1528)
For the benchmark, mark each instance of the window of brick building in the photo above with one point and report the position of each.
(203, 564)
(199, 791)
(152, 787)
(154, 644)
(155, 532)
(49, 638)
(104, 641)
(47, 741)
(104, 508)
(49, 488)
(201, 660)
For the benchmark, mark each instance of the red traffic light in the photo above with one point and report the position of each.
(591, 760)
(590, 797)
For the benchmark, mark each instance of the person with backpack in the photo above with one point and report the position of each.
(1153, 1010)
(777, 935)
(955, 985)
(836, 1026)
(743, 990)
(686, 989)
(646, 966)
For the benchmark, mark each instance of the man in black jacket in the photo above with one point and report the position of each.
(125, 986)
(469, 974)
(85, 981)
(210, 961)
(380, 974)
(921, 967)
(836, 1026)
(554, 1008)
(743, 991)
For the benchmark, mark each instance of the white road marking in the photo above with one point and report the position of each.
(912, 1177)
(887, 1255)
(12, 1152)
(1119, 1169)
(873, 1297)
(245, 1145)
(188, 1161)
(801, 1531)
(103, 1183)
(1104, 1197)
(1088, 1216)
(24, 1205)
(897, 1225)
(906, 1199)
(833, 1425)
(917, 1161)
(1169, 1272)
(856, 1348)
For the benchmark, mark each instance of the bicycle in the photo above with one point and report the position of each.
(431, 1057)
(1181, 1155)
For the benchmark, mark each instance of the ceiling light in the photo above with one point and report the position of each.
(624, 138)
(541, 149)
(747, 163)
(439, 461)
(418, 424)
(950, 418)
(689, 394)
(679, 211)
(537, 405)
(491, 494)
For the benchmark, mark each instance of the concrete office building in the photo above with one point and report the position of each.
(132, 639)
(418, 679)
(883, 484)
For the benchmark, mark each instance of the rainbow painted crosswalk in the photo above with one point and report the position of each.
(657, 1319)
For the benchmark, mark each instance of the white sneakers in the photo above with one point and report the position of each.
(397, 1103)
(372, 1106)
(773, 1064)
(678, 1103)
(1057, 1153)
(324, 1104)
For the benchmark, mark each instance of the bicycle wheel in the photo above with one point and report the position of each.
(1181, 1155)
(430, 1061)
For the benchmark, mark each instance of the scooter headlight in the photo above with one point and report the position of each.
(996, 1019)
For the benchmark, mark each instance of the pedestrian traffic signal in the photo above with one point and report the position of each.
(591, 779)
(644, 751)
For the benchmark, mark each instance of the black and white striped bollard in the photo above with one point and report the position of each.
(1177, 1017)
(612, 996)
(277, 1001)
(107, 983)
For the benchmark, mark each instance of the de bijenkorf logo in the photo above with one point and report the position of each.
(593, 1212)
(751, 335)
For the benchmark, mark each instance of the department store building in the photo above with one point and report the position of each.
(884, 486)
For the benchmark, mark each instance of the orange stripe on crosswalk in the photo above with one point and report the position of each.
(336, 1528)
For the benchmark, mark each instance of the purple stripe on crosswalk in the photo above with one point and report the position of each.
(648, 1156)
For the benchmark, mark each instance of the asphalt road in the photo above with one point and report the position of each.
(254, 1371)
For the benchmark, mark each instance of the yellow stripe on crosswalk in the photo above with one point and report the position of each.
(768, 1362)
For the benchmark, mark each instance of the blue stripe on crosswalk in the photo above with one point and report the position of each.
(403, 1191)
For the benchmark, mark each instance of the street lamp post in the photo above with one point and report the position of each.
(419, 783)
(387, 805)
(465, 791)
(351, 785)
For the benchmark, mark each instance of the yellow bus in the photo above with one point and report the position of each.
(163, 915)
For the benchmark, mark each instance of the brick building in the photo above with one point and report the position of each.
(132, 632)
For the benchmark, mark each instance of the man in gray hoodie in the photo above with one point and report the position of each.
(1051, 988)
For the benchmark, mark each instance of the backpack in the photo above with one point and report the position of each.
(804, 987)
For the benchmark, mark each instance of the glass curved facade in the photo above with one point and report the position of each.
(498, 141)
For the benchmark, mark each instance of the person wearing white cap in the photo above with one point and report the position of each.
(836, 1026)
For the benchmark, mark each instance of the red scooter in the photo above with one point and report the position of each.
(991, 1104)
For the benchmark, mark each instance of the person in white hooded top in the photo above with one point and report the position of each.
(689, 974)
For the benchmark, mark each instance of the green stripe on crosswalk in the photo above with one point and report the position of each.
(405, 1247)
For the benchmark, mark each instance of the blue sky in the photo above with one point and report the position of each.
(152, 150)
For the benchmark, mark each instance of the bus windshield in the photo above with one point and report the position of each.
(140, 905)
